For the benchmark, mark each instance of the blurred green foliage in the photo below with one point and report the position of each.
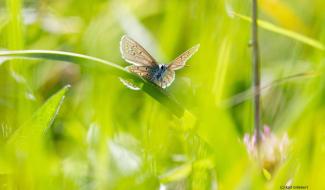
(106, 136)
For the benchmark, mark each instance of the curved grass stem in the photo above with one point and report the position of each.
(154, 91)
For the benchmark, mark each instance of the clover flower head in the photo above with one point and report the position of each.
(271, 151)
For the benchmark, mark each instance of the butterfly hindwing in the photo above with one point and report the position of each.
(168, 78)
(143, 71)
(134, 53)
(180, 61)
(146, 72)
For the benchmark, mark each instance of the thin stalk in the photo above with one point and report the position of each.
(256, 71)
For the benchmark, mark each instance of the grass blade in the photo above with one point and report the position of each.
(39, 123)
(154, 91)
(288, 33)
(183, 171)
(176, 174)
(245, 95)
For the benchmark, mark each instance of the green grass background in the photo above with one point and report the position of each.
(98, 134)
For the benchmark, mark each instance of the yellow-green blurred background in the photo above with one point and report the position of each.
(106, 136)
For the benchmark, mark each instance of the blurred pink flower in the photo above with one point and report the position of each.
(272, 149)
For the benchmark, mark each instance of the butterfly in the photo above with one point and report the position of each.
(147, 67)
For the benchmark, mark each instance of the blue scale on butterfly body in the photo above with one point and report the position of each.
(158, 72)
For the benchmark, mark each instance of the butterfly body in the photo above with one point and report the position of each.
(158, 72)
(147, 67)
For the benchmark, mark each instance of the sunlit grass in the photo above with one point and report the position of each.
(189, 136)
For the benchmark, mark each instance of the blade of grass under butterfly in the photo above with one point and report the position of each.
(291, 34)
(154, 91)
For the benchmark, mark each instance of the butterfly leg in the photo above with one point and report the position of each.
(162, 82)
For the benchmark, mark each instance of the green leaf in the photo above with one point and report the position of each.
(291, 34)
(33, 129)
(153, 90)
(267, 174)
(185, 170)
(176, 174)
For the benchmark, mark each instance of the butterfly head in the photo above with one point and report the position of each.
(162, 67)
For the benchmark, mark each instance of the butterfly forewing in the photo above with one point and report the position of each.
(134, 53)
(180, 61)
